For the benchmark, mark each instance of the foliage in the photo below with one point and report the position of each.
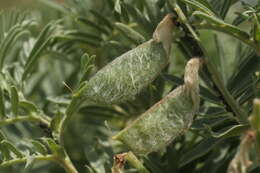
(49, 49)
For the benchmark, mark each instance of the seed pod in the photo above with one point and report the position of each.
(167, 119)
(127, 75)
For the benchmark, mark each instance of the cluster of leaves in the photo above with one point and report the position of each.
(37, 55)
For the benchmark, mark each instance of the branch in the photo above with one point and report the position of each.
(24, 160)
(29, 118)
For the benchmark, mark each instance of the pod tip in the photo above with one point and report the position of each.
(163, 32)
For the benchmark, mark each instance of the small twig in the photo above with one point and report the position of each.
(24, 160)
(28, 118)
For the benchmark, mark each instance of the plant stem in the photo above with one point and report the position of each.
(24, 160)
(28, 118)
(241, 116)
(73, 107)
(133, 160)
(67, 165)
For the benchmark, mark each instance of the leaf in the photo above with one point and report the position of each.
(141, 20)
(87, 64)
(6, 155)
(256, 31)
(102, 19)
(83, 40)
(39, 147)
(225, 8)
(130, 33)
(235, 130)
(247, 67)
(220, 25)
(200, 6)
(153, 11)
(60, 100)
(54, 147)
(28, 106)
(54, 5)
(199, 150)
(92, 25)
(14, 100)
(11, 148)
(2, 104)
(210, 122)
(79, 34)
(41, 42)
(55, 124)
(118, 6)
(9, 42)
(2, 136)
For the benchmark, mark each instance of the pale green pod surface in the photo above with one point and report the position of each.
(127, 75)
(167, 119)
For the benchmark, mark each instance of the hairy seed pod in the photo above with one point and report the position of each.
(127, 75)
(167, 119)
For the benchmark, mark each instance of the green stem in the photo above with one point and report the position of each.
(241, 116)
(133, 160)
(77, 100)
(28, 118)
(24, 160)
(67, 165)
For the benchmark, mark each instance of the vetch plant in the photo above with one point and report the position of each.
(127, 75)
(76, 74)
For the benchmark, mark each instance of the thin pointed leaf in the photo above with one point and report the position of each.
(28, 106)
(198, 5)
(247, 67)
(235, 130)
(54, 147)
(117, 7)
(130, 33)
(102, 19)
(2, 104)
(84, 35)
(14, 100)
(225, 7)
(92, 25)
(199, 150)
(141, 20)
(41, 42)
(11, 148)
(39, 147)
(219, 25)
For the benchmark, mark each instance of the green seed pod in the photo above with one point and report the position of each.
(127, 75)
(167, 119)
